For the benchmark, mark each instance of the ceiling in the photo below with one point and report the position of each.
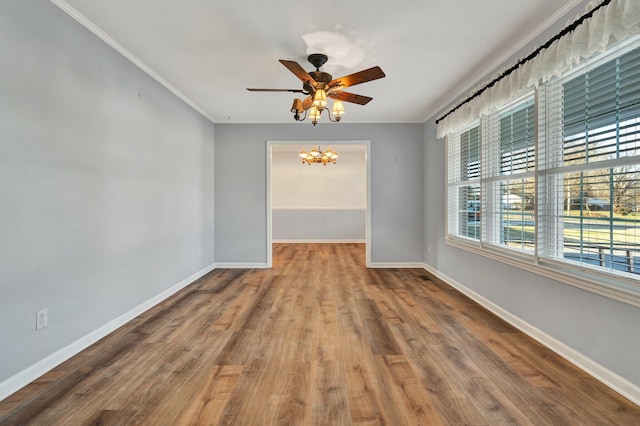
(209, 51)
(348, 154)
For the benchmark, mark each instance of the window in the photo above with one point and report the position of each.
(464, 184)
(596, 178)
(509, 182)
(552, 180)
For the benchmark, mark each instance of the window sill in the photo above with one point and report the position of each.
(609, 285)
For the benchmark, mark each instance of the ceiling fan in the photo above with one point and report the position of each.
(317, 85)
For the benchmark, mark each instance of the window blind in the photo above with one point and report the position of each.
(517, 140)
(593, 204)
(470, 153)
(508, 183)
(464, 187)
(600, 108)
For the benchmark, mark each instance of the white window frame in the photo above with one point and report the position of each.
(555, 169)
(492, 177)
(452, 224)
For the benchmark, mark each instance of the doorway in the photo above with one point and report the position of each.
(332, 208)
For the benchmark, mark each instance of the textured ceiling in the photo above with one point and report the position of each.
(209, 51)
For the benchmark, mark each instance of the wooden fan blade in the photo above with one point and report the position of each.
(295, 68)
(276, 90)
(350, 97)
(307, 103)
(357, 78)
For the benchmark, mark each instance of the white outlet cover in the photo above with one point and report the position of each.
(42, 319)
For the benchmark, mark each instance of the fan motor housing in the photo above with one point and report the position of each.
(320, 77)
(317, 59)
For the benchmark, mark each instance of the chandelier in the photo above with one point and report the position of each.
(319, 105)
(317, 156)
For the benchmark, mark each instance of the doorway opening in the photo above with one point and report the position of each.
(318, 203)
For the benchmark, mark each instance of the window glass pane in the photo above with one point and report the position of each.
(469, 211)
(601, 218)
(509, 189)
(604, 143)
(470, 153)
(463, 210)
(517, 140)
(601, 110)
(511, 214)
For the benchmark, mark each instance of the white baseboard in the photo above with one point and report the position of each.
(396, 265)
(28, 375)
(241, 265)
(606, 376)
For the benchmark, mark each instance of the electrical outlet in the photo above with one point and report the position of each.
(42, 319)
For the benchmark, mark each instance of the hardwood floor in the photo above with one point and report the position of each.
(318, 339)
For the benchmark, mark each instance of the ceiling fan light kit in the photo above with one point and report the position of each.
(320, 98)
(318, 85)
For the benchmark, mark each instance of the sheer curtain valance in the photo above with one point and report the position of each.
(616, 21)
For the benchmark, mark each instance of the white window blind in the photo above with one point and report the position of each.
(464, 184)
(592, 213)
(508, 181)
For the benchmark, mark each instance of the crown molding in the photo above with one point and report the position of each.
(85, 22)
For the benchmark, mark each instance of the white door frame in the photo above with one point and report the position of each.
(271, 143)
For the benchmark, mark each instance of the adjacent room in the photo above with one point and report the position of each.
(318, 204)
(246, 213)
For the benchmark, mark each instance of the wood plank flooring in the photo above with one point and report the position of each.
(317, 340)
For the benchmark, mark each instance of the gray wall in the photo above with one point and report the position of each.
(397, 179)
(600, 328)
(106, 184)
(319, 225)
